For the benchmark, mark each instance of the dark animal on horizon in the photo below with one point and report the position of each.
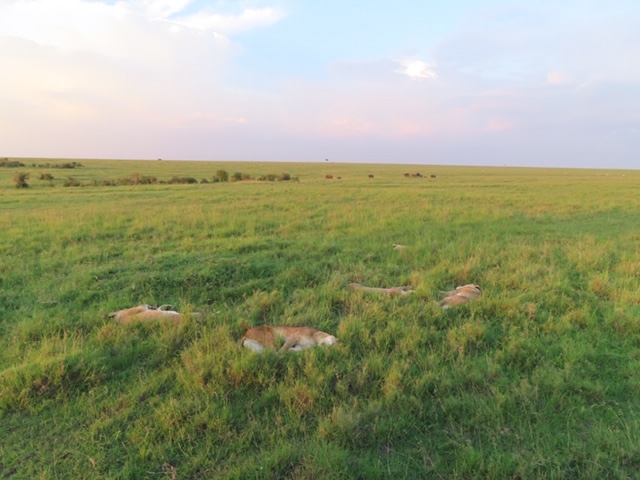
(407, 175)
(328, 177)
(370, 176)
(433, 176)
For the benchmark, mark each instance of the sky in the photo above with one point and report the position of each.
(461, 82)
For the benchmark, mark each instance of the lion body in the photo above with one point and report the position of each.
(295, 338)
(392, 291)
(460, 295)
(145, 313)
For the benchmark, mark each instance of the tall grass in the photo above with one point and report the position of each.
(537, 379)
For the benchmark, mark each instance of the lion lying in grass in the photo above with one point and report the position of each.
(460, 295)
(261, 338)
(147, 312)
(392, 291)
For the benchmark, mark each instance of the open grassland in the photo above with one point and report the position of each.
(537, 379)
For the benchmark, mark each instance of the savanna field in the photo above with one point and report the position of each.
(538, 378)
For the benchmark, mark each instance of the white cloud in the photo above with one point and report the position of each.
(126, 28)
(416, 69)
(163, 8)
(229, 24)
(83, 65)
(79, 26)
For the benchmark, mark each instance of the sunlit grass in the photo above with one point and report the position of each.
(537, 379)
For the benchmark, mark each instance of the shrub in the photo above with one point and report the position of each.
(124, 181)
(63, 165)
(270, 177)
(148, 179)
(222, 176)
(5, 162)
(137, 179)
(236, 177)
(71, 182)
(176, 179)
(20, 179)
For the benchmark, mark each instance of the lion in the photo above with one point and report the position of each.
(460, 295)
(265, 337)
(392, 291)
(146, 313)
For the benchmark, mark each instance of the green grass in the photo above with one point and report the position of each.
(537, 379)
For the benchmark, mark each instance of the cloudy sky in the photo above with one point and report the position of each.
(469, 82)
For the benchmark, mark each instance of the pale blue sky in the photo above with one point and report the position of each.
(494, 82)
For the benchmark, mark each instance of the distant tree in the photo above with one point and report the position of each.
(236, 177)
(222, 176)
(20, 179)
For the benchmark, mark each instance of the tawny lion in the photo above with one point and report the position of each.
(460, 295)
(147, 312)
(392, 291)
(295, 338)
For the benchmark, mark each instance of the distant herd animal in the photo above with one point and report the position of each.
(418, 175)
(370, 175)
